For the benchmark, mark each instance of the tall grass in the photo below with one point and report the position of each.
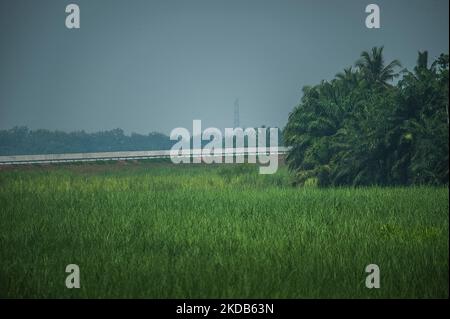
(164, 231)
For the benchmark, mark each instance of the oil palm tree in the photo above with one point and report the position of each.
(349, 76)
(372, 66)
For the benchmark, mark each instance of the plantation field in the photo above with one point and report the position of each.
(156, 230)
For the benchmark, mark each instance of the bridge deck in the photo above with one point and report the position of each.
(132, 155)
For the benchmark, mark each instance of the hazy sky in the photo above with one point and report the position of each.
(158, 64)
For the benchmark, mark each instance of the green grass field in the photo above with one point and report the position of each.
(155, 230)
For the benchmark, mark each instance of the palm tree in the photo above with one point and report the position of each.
(421, 70)
(371, 64)
(348, 76)
(422, 60)
(348, 80)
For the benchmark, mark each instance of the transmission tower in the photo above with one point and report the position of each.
(236, 113)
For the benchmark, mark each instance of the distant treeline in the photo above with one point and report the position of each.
(22, 141)
(360, 128)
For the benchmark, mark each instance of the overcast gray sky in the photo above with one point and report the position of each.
(158, 64)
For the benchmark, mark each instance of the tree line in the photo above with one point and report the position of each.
(23, 141)
(365, 128)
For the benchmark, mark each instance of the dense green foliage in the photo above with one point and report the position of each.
(196, 231)
(359, 129)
